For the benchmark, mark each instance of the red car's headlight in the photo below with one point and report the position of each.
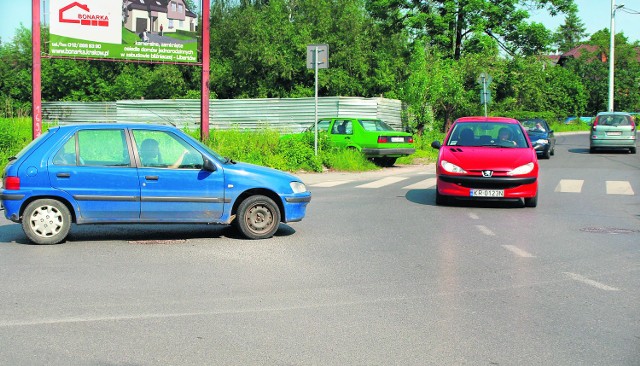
(523, 169)
(451, 168)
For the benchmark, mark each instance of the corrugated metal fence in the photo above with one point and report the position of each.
(284, 114)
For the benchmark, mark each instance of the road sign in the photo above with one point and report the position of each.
(323, 56)
(484, 79)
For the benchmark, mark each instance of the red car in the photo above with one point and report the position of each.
(486, 158)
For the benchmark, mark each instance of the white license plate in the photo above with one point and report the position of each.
(614, 133)
(487, 193)
(397, 139)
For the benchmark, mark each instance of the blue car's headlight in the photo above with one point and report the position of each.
(542, 141)
(298, 187)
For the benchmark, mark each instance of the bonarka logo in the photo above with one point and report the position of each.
(92, 20)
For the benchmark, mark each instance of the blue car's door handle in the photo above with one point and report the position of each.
(151, 177)
(63, 175)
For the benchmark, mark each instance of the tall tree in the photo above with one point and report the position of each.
(569, 34)
(447, 23)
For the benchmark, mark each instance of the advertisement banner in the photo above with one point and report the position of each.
(147, 30)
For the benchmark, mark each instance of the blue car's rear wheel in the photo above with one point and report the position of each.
(258, 217)
(46, 221)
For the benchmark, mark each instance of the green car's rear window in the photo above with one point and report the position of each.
(375, 125)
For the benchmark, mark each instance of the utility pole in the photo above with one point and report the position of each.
(612, 47)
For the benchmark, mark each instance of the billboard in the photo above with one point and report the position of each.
(144, 30)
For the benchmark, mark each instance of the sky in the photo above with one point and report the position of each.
(595, 14)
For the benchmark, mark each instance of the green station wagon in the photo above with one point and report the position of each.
(613, 130)
(373, 137)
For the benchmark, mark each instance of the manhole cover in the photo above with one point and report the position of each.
(178, 241)
(607, 230)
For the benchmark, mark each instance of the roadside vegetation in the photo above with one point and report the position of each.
(266, 147)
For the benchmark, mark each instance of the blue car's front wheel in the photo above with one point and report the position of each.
(258, 217)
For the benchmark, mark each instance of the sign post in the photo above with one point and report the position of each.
(317, 58)
(485, 95)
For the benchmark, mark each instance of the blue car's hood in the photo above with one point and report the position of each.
(239, 173)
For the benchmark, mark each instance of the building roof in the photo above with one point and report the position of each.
(155, 5)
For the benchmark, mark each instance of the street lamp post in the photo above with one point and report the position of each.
(612, 51)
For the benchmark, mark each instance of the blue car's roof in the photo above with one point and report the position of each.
(114, 125)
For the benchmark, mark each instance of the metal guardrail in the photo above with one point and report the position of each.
(287, 115)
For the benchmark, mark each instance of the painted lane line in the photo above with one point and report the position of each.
(427, 183)
(382, 182)
(590, 282)
(619, 187)
(519, 252)
(485, 230)
(569, 186)
(331, 183)
(473, 216)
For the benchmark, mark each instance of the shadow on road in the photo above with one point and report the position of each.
(139, 233)
(428, 197)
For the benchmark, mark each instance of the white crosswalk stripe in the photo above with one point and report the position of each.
(427, 183)
(569, 186)
(619, 187)
(331, 183)
(382, 182)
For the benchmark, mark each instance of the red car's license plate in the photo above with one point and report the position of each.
(486, 193)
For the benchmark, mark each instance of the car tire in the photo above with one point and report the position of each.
(531, 201)
(553, 151)
(592, 150)
(632, 150)
(385, 162)
(46, 221)
(258, 217)
(546, 154)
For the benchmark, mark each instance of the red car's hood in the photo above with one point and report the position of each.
(487, 158)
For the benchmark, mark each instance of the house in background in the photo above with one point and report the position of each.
(173, 15)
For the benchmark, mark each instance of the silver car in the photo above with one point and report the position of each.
(613, 130)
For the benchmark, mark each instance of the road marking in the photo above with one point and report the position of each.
(590, 282)
(473, 216)
(331, 183)
(485, 230)
(619, 187)
(427, 183)
(569, 186)
(519, 252)
(382, 182)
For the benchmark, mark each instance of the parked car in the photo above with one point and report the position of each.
(137, 173)
(613, 130)
(373, 137)
(486, 158)
(541, 136)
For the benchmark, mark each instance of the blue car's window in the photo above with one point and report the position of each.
(103, 148)
(160, 149)
(67, 153)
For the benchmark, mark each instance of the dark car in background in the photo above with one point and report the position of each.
(541, 136)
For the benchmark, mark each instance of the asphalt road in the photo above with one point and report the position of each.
(376, 274)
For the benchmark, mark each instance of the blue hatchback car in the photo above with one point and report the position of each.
(138, 173)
